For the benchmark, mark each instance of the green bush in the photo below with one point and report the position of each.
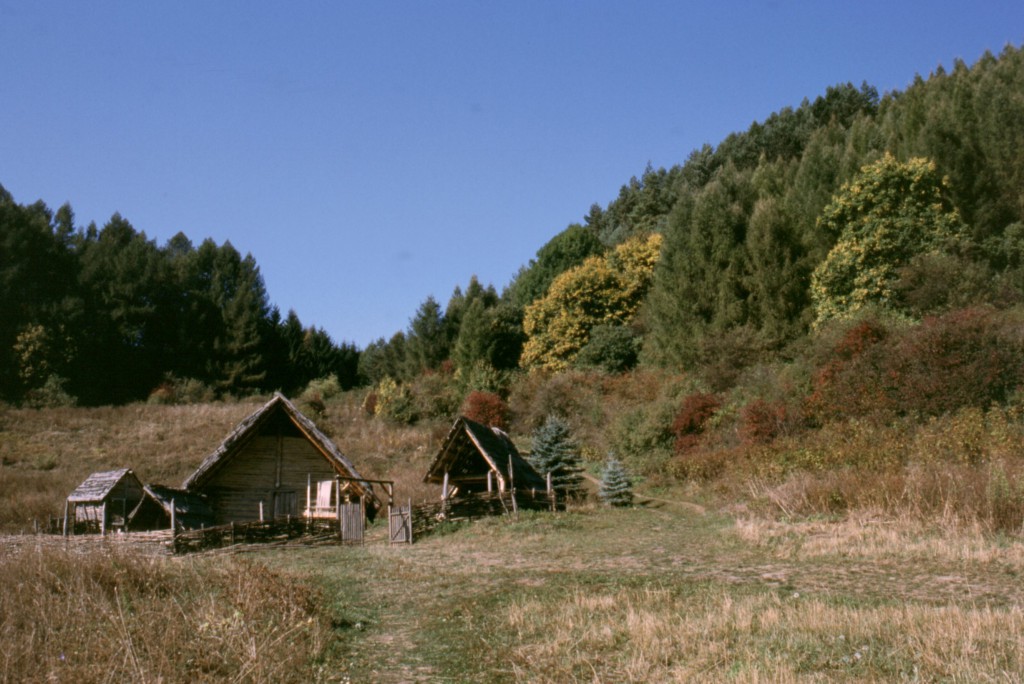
(395, 402)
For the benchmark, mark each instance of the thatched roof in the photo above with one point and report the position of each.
(249, 428)
(98, 486)
(191, 510)
(471, 450)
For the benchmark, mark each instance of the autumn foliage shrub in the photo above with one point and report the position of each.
(762, 421)
(971, 357)
(692, 418)
(487, 408)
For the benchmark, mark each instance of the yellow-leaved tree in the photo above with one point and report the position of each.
(603, 290)
(890, 213)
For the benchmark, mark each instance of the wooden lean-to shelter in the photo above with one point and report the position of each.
(102, 502)
(277, 464)
(164, 508)
(474, 459)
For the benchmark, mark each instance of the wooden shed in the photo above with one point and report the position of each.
(162, 508)
(102, 502)
(271, 464)
(475, 458)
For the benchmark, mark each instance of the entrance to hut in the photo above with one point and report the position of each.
(285, 504)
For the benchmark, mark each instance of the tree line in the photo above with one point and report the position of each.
(909, 202)
(105, 315)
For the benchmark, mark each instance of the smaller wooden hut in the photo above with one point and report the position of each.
(102, 502)
(164, 508)
(474, 459)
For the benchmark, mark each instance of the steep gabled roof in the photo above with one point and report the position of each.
(472, 449)
(97, 486)
(250, 426)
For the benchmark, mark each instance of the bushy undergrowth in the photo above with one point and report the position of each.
(486, 408)
(109, 615)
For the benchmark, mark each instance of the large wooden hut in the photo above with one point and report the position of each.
(276, 463)
(102, 502)
(475, 458)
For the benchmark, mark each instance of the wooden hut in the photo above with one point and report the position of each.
(271, 464)
(475, 458)
(102, 502)
(164, 508)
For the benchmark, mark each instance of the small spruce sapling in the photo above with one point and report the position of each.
(616, 488)
(556, 452)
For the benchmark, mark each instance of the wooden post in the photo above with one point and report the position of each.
(444, 487)
(337, 508)
(309, 496)
(410, 520)
(261, 510)
(67, 508)
(174, 518)
(490, 481)
(103, 520)
(549, 482)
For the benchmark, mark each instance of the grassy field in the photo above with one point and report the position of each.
(661, 592)
(669, 591)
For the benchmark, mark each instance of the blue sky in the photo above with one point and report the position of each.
(371, 154)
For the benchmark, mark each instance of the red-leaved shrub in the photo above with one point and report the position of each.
(693, 416)
(486, 408)
(762, 421)
(970, 357)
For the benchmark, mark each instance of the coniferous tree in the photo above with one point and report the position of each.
(556, 452)
(616, 487)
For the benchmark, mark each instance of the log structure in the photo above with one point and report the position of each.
(102, 502)
(266, 466)
(476, 459)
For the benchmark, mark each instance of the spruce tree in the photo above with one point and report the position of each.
(616, 488)
(556, 452)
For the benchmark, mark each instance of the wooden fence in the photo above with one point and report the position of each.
(425, 517)
(258, 532)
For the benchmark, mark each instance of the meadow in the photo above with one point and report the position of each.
(749, 576)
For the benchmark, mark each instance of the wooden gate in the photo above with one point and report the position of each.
(400, 524)
(352, 522)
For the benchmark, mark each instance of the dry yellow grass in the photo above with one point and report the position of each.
(658, 635)
(101, 614)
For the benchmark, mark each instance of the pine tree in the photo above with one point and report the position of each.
(616, 488)
(556, 452)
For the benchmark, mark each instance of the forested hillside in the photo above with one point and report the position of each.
(903, 206)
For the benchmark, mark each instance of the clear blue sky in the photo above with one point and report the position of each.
(371, 154)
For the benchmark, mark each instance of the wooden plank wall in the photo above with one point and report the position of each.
(267, 464)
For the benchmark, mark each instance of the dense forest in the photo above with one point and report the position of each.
(885, 212)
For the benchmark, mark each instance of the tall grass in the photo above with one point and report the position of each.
(667, 635)
(115, 615)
